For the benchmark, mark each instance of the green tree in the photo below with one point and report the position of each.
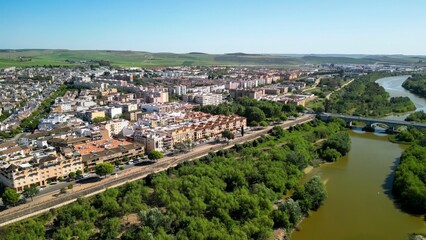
(340, 141)
(103, 169)
(79, 173)
(153, 218)
(155, 155)
(317, 192)
(254, 114)
(228, 134)
(30, 192)
(277, 131)
(63, 234)
(404, 136)
(263, 124)
(292, 209)
(110, 229)
(281, 219)
(72, 175)
(330, 155)
(100, 119)
(10, 197)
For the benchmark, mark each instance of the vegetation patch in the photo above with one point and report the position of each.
(364, 97)
(409, 185)
(419, 116)
(416, 84)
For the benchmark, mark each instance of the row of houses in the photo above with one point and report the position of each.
(52, 158)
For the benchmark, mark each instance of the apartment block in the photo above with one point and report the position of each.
(25, 168)
(204, 98)
(150, 140)
(107, 150)
(250, 93)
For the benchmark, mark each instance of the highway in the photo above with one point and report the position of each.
(53, 200)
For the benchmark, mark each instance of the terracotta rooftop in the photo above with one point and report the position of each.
(99, 146)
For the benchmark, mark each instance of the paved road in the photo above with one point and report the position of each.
(44, 203)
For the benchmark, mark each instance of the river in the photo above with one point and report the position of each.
(359, 204)
(394, 88)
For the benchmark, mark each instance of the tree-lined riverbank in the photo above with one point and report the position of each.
(360, 204)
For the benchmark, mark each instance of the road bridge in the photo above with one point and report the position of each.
(370, 122)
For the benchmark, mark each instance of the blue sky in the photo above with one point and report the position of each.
(217, 26)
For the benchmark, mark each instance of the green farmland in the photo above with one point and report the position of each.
(41, 57)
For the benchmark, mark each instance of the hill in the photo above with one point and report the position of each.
(41, 57)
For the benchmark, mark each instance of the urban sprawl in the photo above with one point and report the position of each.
(59, 120)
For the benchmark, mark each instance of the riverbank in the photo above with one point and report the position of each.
(416, 84)
(393, 85)
(360, 204)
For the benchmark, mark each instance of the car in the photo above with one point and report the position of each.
(70, 179)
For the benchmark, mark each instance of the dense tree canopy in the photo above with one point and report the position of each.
(364, 97)
(255, 111)
(409, 185)
(10, 197)
(419, 116)
(103, 169)
(339, 141)
(416, 84)
(330, 154)
(311, 195)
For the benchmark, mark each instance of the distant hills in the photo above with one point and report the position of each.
(41, 57)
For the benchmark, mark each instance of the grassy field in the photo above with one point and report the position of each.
(40, 57)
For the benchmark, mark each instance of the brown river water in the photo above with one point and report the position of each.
(359, 204)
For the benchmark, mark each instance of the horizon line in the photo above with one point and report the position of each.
(201, 52)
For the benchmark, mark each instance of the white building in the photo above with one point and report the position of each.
(49, 123)
(204, 98)
(116, 126)
(150, 140)
(179, 90)
(113, 112)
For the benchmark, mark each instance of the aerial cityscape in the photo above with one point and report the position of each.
(212, 120)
